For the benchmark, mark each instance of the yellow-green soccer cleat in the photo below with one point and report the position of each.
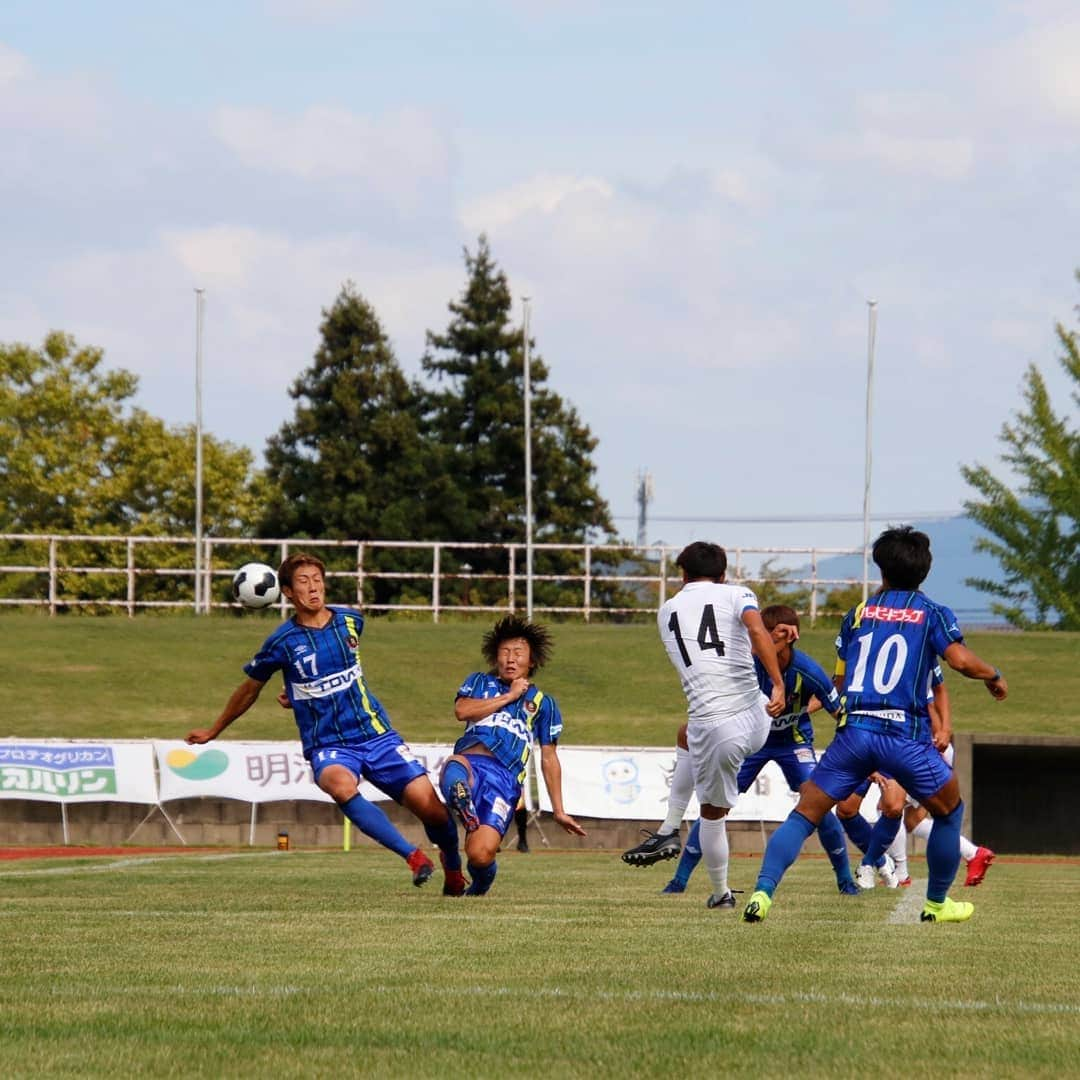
(947, 911)
(757, 908)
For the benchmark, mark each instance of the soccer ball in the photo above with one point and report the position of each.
(255, 585)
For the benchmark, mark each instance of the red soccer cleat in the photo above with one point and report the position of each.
(454, 881)
(421, 866)
(978, 864)
(904, 883)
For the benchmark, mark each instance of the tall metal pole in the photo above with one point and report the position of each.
(199, 589)
(528, 467)
(871, 336)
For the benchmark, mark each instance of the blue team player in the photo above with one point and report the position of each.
(886, 649)
(504, 713)
(790, 743)
(345, 731)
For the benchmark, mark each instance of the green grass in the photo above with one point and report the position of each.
(158, 677)
(320, 964)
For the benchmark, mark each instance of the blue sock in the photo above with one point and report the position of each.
(881, 836)
(943, 853)
(482, 877)
(782, 850)
(371, 821)
(445, 838)
(832, 838)
(453, 771)
(858, 830)
(691, 855)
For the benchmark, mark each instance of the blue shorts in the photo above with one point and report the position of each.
(796, 761)
(385, 762)
(495, 791)
(855, 753)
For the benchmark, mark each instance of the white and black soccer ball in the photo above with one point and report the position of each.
(255, 585)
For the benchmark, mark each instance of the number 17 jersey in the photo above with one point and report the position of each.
(707, 643)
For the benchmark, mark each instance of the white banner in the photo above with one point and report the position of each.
(633, 784)
(60, 771)
(257, 772)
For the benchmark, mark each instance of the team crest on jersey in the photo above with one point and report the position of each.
(352, 642)
(531, 707)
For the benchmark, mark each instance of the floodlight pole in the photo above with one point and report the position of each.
(199, 590)
(871, 337)
(528, 466)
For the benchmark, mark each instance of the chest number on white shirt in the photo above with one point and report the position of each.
(708, 637)
(888, 667)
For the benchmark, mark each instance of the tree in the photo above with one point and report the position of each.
(1034, 530)
(476, 415)
(76, 458)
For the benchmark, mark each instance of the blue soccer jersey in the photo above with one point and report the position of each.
(804, 678)
(331, 702)
(887, 650)
(509, 733)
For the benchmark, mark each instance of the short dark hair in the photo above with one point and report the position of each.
(903, 556)
(513, 626)
(702, 560)
(775, 614)
(294, 562)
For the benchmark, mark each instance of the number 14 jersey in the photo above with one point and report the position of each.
(702, 629)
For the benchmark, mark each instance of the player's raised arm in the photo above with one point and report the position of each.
(763, 647)
(241, 699)
(551, 767)
(467, 709)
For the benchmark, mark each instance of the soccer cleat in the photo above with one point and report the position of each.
(947, 911)
(848, 888)
(904, 883)
(461, 803)
(864, 876)
(674, 886)
(653, 849)
(977, 865)
(725, 901)
(758, 908)
(421, 866)
(886, 873)
(523, 846)
(454, 881)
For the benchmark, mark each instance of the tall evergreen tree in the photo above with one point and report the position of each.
(1034, 528)
(352, 464)
(477, 413)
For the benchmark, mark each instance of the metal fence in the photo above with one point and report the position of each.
(62, 572)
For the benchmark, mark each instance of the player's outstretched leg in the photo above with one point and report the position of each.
(371, 821)
(655, 847)
(978, 864)
(482, 878)
(781, 851)
(455, 783)
(688, 860)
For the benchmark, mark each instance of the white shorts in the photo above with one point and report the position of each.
(719, 747)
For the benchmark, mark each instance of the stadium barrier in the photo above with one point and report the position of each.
(139, 573)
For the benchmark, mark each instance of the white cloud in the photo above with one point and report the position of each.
(1050, 56)
(395, 155)
(543, 194)
(13, 65)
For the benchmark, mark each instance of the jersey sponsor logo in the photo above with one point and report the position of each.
(894, 716)
(332, 684)
(893, 614)
(516, 725)
(787, 720)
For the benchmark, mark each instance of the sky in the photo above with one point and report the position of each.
(699, 199)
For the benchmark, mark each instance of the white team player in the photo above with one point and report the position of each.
(712, 632)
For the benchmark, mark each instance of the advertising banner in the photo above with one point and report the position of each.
(62, 771)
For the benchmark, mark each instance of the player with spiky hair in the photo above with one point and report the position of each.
(504, 713)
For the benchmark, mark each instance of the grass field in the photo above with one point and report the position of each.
(332, 964)
(158, 677)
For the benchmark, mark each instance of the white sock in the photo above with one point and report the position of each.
(922, 830)
(715, 852)
(898, 851)
(682, 787)
(967, 849)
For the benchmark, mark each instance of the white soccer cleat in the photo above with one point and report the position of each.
(864, 876)
(887, 873)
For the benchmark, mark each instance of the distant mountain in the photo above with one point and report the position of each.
(952, 542)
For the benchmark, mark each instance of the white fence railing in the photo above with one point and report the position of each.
(73, 571)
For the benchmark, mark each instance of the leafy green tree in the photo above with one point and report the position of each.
(475, 413)
(75, 458)
(1034, 527)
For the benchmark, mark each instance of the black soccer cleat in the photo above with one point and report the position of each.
(653, 849)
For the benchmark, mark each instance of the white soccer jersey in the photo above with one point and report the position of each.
(702, 629)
